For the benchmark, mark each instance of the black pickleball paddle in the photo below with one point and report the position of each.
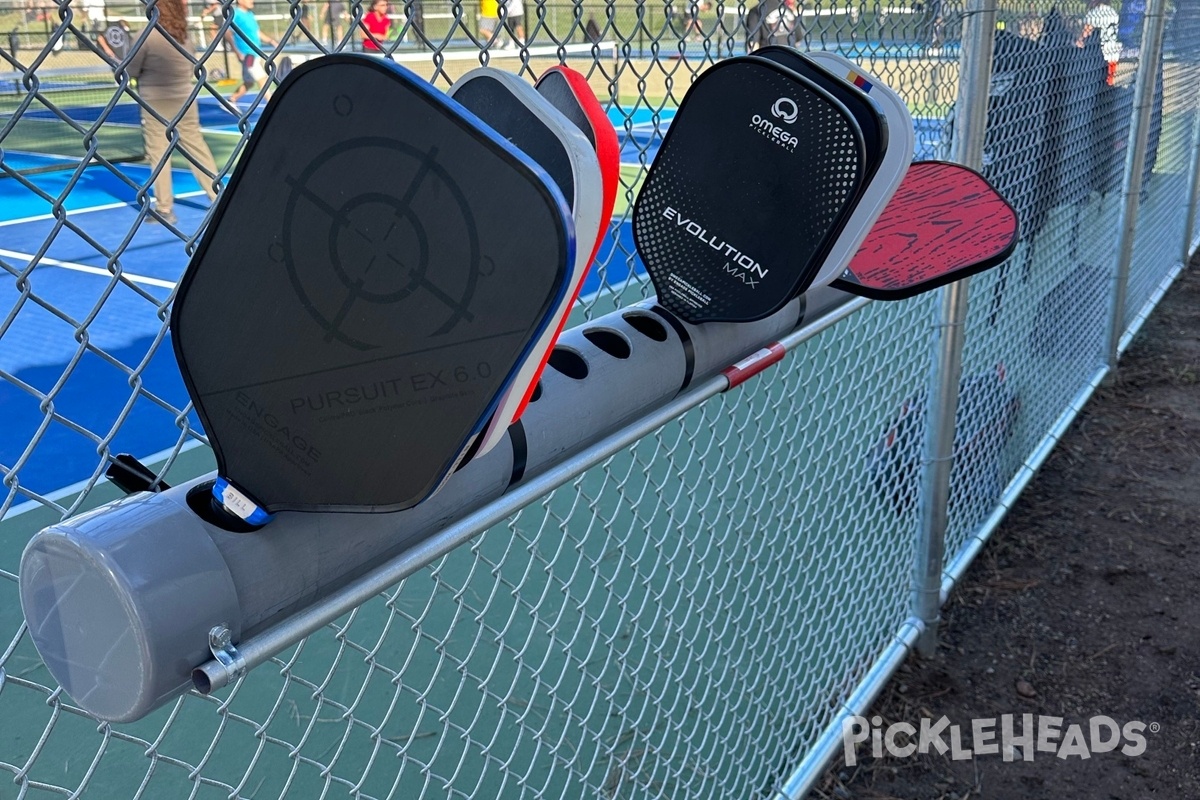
(359, 303)
(755, 177)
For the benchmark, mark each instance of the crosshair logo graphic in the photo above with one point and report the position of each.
(363, 264)
(116, 37)
(785, 109)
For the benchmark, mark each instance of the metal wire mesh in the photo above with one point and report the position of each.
(682, 621)
(1063, 270)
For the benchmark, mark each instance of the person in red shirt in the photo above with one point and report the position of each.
(377, 23)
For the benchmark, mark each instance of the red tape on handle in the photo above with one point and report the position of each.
(753, 364)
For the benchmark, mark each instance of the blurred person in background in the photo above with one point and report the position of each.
(416, 19)
(489, 20)
(163, 69)
(695, 31)
(248, 41)
(378, 24)
(331, 21)
(514, 22)
(773, 22)
(214, 10)
(96, 14)
(1102, 19)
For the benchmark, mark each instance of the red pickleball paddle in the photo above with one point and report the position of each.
(569, 92)
(944, 223)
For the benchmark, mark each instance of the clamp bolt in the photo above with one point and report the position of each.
(219, 638)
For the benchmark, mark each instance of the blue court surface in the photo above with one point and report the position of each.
(86, 359)
(73, 335)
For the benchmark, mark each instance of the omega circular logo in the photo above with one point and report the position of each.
(785, 109)
(400, 254)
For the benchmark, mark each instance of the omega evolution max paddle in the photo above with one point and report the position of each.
(357, 308)
(756, 177)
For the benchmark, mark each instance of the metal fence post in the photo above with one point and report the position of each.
(1189, 224)
(979, 32)
(1135, 162)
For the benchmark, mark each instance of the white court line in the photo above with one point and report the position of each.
(88, 210)
(54, 262)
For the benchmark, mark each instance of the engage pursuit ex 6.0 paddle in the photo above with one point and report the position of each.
(357, 306)
(516, 111)
(944, 223)
(758, 171)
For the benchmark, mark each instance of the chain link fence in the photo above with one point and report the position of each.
(686, 620)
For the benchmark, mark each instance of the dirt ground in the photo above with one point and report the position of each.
(1084, 602)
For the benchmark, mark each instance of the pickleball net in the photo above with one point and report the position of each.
(52, 119)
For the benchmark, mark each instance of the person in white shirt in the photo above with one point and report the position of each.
(97, 15)
(1102, 18)
(514, 21)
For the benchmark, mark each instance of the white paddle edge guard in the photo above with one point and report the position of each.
(586, 207)
(895, 163)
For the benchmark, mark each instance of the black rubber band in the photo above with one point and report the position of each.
(520, 446)
(689, 350)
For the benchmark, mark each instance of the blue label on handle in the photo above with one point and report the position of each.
(238, 504)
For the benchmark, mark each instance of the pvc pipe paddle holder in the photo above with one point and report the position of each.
(122, 601)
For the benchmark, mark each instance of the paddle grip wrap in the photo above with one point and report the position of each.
(237, 503)
(753, 364)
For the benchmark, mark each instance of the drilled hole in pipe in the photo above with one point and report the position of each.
(569, 363)
(609, 341)
(646, 325)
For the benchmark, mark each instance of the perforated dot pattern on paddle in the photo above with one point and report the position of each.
(758, 172)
